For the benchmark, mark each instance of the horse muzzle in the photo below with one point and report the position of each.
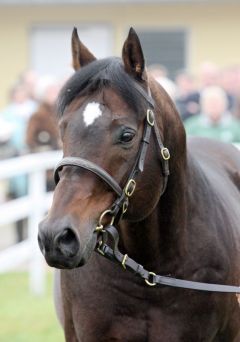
(60, 244)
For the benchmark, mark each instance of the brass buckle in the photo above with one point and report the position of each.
(124, 208)
(165, 153)
(130, 187)
(124, 261)
(148, 282)
(100, 224)
(99, 248)
(150, 117)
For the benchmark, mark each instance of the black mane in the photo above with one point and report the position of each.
(108, 72)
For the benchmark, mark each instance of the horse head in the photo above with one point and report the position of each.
(103, 110)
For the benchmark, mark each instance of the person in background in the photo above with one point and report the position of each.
(212, 75)
(214, 120)
(209, 75)
(236, 112)
(16, 114)
(6, 132)
(160, 73)
(236, 92)
(229, 82)
(30, 79)
(42, 129)
(187, 95)
(187, 100)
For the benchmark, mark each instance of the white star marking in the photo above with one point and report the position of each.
(91, 112)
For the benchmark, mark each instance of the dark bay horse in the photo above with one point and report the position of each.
(118, 127)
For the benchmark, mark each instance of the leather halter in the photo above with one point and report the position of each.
(119, 207)
(122, 201)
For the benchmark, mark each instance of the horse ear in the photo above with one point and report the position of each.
(132, 55)
(80, 54)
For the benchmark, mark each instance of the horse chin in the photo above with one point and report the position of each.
(63, 264)
(88, 250)
(67, 264)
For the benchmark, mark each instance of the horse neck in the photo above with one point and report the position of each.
(157, 242)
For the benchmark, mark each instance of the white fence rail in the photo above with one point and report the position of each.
(32, 206)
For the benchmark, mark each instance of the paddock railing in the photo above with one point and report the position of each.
(33, 206)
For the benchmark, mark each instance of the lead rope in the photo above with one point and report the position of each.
(150, 278)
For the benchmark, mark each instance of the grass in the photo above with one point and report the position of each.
(24, 317)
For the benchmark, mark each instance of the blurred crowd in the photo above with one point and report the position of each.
(208, 103)
(28, 124)
(22, 130)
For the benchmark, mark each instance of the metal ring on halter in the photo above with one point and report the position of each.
(100, 224)
(150, 117)
(124, 261)
(149, 282)
(130, 187)
(165, 153)
(99, 248)
(124, 207)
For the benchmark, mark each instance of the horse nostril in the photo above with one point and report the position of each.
(67, 242)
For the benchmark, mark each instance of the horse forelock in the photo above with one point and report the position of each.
(94, 77)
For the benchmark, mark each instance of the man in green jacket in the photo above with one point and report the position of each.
(214, 121)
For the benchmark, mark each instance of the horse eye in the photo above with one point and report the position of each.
(127, 136)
